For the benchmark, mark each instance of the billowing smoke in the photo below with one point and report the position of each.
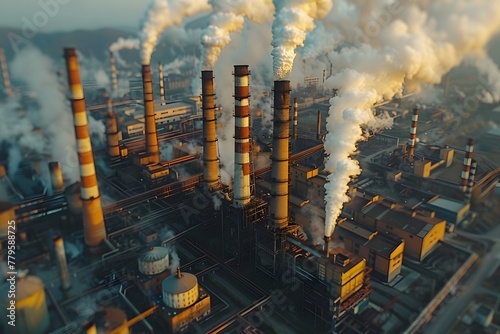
(161, 15)
(124, 43)
(176, 66)
(489, 91)
(101, 79)
(417, 44)
(228, 17)
(291, 24)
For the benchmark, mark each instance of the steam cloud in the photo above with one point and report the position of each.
(124, 43)
(291, 24)
(163, 14)
(416, 44)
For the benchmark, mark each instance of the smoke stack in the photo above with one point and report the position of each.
(112, 133)
(324, 77)
(210, 156)
(114, 78)
(413, 135)
(318, 126)
(149, 116)
(331, 69)
(93, 219)
(5, 73)
(241, 136)
(280, 156)
(56, 176)
(61, 262)
(295, 118)
(327, 245)
(469, 149)
(161, 81)
(470, 185)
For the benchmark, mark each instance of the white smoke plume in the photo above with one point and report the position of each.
(124, 43)
(229, 16)
(178, 64)
(101, 79)
(291, 23)
(490, 90)
(417, 44)
(161, 15)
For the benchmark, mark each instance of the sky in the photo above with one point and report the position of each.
(68, 15)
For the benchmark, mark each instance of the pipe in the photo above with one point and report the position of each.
(241, 195)
(469, 150)
(470, 185)
(56, 176)
(161, 82)
(210, 154)
(61, 262)
(318, 126)
(114, 78)
(93, 218)
(280, 155)
(327, 245)
(112, 133)
(295, 118)
(5, 74)
(149, 116)
(413, 135)
(304, 246)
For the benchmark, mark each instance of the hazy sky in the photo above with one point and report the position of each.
(72, 14)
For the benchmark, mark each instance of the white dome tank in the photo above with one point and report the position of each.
(180, 290)
(154, 261)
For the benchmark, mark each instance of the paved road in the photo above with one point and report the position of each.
(444, 322)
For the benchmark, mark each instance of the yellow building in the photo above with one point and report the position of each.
(383, 252)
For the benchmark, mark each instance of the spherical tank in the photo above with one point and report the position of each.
(111, 319)
(72, 194)
(154, 261)
(180, 290)
(31, 314)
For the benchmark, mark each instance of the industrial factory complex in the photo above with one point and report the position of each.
(153, 238)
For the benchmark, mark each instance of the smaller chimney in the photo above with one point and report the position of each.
(179, 274)
(56, 177)
(61, 262)
(318, 129)
(152, 147)
(112, 133)
(469, 149)
(210, 156)
(331, 69)
(324, 77)
(470, 185)
(327, 245)
(413, 135)
(114, 78)
(161, 82)
(295, 118)
(5, 73)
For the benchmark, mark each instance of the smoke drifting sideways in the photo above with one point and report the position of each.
(161, 15)
(417, 45)
(291, 23)
(123, 43)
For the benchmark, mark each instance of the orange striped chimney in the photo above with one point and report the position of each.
(114, 78)
(5, 73)
(295, 118)
(93, 219)
(161, 81)
(149, 116)
(210, 156)
(112, 133)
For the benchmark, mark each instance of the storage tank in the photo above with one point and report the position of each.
(154, 261)
(31, 314)
(180, 290)
(111, 320)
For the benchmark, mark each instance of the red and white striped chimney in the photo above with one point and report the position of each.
(295, 118)
(114, 78)
(413, 135)
(210, 156)
(161, 81)
(470, 184)
(93, 218)
(469, 150)
(5, 73)
(149, 116)
(241, 136)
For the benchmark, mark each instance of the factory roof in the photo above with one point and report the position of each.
(357, 229)
(179, 283)
(447, 204)
(357, 203)
(155, 254)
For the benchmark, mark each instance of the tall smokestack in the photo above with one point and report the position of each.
(331, 69)
(469, 149)
(5, 73)
(114, 78)
(280, 155)
(318, 126)
(295, 118)
(112, 133)
(327, 245)
(470, 185)
(413, 135)
(241, 136)
(161, 81)
(93, 219)
(210, 156)
(56, 176)
(149, 116)
(61, 262)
